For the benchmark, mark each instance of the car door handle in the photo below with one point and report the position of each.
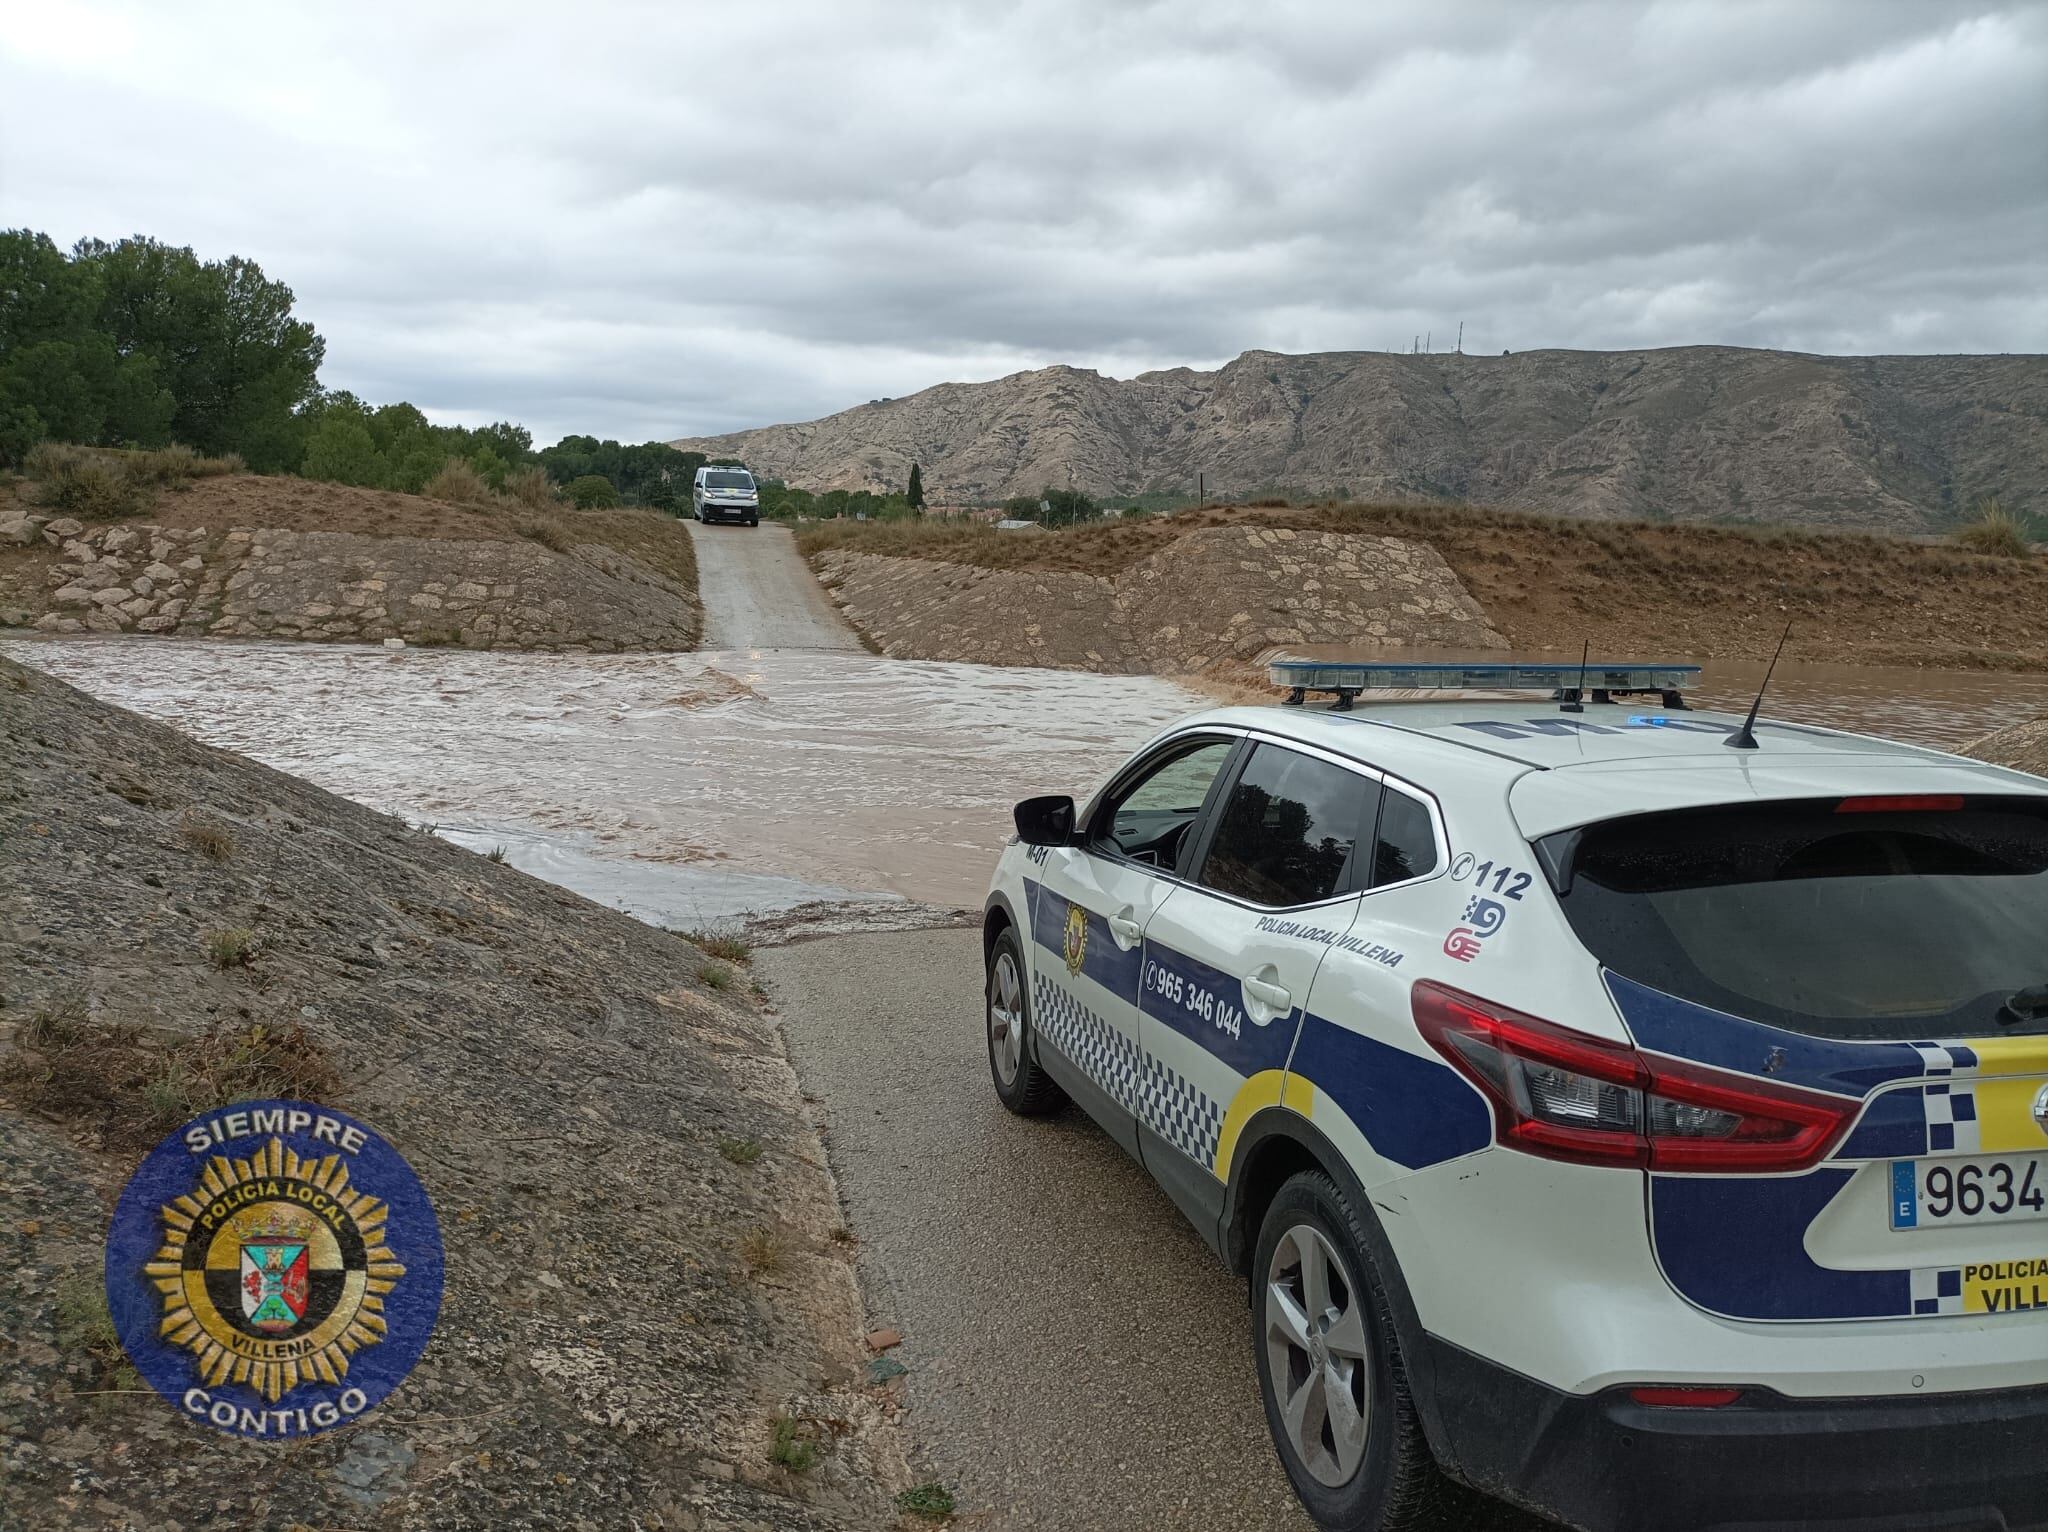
(1276, 998)
(1125, 930)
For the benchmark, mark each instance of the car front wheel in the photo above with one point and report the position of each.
(1331, 1371)
(1020, 1084)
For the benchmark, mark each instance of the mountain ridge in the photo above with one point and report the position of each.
(1687, 433)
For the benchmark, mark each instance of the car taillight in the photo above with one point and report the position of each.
(1567, 1096)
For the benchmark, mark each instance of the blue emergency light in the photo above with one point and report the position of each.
(1566, 681)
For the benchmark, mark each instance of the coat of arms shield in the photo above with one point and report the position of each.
(273, 1282)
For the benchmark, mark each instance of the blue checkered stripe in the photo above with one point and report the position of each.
(1144, 1085)
(1951, 1119)
(1937, 1290)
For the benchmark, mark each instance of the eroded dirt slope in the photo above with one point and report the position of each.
(644, 1255)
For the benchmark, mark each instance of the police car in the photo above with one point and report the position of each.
(1649, 1132)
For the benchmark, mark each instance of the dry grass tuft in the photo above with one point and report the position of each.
(716, 975)
(530, 486)
(549, 534)
(135, 1086)
(727, 945)
(1996, 531)
(230, 947)
(460, 484)
(764, 1252)
(213, 841)
(741, 1151)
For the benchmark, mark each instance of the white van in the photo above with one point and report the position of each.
(726, 494)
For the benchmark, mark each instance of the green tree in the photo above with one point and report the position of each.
(342, 451)
(222, 339)
(593, 491)
(915, 495)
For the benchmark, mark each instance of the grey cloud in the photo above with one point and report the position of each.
(654, 220)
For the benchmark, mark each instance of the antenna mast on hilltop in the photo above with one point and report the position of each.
(1461, 337)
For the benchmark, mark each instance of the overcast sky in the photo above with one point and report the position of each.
(653, 220)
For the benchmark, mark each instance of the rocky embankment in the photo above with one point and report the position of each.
(2024, 747)
(645, 1260)
(1210, 597)
(500, 593)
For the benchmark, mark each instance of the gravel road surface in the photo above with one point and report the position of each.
(1078, 1358)
(758, 592)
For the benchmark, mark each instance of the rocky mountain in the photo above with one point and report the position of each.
(1692, 433)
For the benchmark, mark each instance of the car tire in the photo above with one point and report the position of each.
(1020, 1084)
(753, 521)
(1339, 1410)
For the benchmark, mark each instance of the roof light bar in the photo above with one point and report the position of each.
(1565, 681)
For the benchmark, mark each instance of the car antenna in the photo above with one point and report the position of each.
(1577, 702)
(1744, 738)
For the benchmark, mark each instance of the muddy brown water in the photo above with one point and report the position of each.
(696, 788)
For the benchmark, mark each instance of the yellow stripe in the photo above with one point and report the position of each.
(1269, 1087)
(2009, 1055)
(2005, 1115)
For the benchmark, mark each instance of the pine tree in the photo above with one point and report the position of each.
(916, 494)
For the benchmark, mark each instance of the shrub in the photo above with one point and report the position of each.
(741, 1151)
(81, 482)
(593, 492)
(531, 486)
(1997, 531)
(460, 483)
(716, 975)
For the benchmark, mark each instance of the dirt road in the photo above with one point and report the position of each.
(758, 592)
(1078, 1358)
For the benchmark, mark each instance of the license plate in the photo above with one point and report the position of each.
(1940, 1194)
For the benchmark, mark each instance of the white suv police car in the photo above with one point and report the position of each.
(1651, 1133)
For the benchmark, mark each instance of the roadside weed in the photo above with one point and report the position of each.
(931, 1500)
(716, 975)
(230, 947)
(796, 1444)
(741, 1151)
(719, 944)
(497, 854)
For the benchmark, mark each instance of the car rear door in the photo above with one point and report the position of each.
(1089, 912)
(1228, 961)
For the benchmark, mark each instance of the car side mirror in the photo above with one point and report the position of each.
(1047, 821)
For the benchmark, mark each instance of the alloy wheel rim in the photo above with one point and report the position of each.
(1318, 1354)
(1006, 1018)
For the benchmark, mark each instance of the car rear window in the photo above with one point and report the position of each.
(1896, 918)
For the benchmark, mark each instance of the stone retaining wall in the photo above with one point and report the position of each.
(1225, 593)
(346, 587)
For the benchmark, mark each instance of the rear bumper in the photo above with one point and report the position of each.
(1973, 1461)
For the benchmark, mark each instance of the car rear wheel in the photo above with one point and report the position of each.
(1330, 1368)
(1020, 1084)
